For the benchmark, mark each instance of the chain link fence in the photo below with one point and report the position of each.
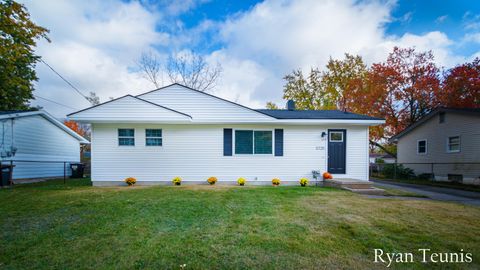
(460, 172)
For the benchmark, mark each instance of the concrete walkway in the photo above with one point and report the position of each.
(435, 193)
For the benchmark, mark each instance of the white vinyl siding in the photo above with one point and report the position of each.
(37, 139)
(130, 109)
(195, 152)
(202, 107)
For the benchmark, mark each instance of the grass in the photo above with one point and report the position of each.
(401, 193)
(427, 182)
(55, 226)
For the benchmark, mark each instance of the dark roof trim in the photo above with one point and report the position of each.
(432, 114)
(132, 97)
(163, 87)
(317, 114)
(161, 106)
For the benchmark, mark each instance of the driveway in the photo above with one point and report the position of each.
(435, 193)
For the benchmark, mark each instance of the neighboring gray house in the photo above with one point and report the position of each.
(37, 144)
(447, 137)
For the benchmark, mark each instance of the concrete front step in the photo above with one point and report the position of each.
(357, 186)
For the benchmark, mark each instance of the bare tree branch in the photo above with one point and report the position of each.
(383, 148)
(151, 68)
(193, 71)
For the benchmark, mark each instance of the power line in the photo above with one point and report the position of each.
(69, 83)
(55, 102)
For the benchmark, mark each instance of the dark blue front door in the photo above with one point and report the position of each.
(336, 150)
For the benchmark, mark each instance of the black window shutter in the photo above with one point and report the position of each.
(278, 142)
(227, 141)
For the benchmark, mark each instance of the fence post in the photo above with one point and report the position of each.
(432, 177)
(64, 172)
(395, 170)
(10, 175)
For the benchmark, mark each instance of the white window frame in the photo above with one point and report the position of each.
(125, 137)
(253, 144)
(330, 136)
(154, 137)
(426, 147)
(459, 144)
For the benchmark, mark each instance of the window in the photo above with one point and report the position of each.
(422, 147)
(253, 141)
(336, 136)
(441, 117)
(153, 137)
(453, 144)
(126, 136)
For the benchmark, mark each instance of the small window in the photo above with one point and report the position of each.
(453, 144)
(253, 142)
(422, 147)
(153, 137)
(126, 136)
(336, 136)
(441, 117)
(458, 178)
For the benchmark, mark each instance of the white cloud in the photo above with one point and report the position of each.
(95, 44)
(279, 36)
(441, 19)
(472, 37)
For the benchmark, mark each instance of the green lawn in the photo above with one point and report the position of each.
(52, 226)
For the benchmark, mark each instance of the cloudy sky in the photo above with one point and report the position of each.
(95, 44)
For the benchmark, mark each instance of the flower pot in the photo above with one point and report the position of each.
(242, 184)
(177, 184)
(303, 185)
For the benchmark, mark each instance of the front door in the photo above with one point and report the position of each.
(337, 150)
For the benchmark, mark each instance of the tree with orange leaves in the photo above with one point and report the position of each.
(75, 127)
(461, 86)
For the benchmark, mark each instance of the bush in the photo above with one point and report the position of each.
(212, 180)
(130, 181)
(303, 182)
(241, 181)
(177, 181)
(275, 181)
(401, 172)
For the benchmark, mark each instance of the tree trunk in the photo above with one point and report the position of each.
(383, 148)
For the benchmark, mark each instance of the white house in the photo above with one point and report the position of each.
(179, 131)
(37, 143)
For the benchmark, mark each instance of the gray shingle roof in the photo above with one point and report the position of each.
(316, 114)
(469, 111)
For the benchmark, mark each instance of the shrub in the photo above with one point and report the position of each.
(212, 180)
(401, 172)
(241, 181)
(327, 175)
(130, 181)
(177, 181)
(275, 181)
(303, 181)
